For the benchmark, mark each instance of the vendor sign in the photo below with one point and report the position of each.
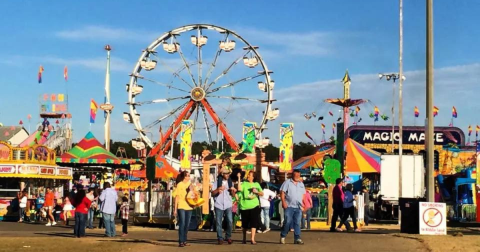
(7, 169)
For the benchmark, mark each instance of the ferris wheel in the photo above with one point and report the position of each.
(204, 73)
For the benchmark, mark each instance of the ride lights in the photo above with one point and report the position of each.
(171, 47)
(199, 41)
(148, 64)
(394, 76)
(228, 45)
(250, 62)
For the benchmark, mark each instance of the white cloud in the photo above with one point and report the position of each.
(97, 32)
(97, 63)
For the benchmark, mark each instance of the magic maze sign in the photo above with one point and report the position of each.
(411, 135)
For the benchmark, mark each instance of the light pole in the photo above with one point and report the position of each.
(394, 77)
(429, 87)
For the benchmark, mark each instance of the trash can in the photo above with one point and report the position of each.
(410, 215)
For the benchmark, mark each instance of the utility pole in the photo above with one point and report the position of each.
(430, 123)
(400, 102)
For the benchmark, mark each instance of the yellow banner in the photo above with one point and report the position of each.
(186, 144)
(286, 147)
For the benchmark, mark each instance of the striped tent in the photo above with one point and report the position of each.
(361, 159)
(315, 160)
(89, 151)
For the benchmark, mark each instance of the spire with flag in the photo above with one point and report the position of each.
(435, 111)
(40, 71)
(323, 128)
(416, 112)
(477, 129)
(333, 128)
(469, 130)
(93, 111)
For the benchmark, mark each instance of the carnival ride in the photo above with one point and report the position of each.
(173, 76)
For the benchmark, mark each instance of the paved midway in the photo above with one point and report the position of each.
(156, 239)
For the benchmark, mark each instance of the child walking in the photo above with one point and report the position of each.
(124, 209)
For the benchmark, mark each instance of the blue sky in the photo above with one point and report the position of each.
(308, 45)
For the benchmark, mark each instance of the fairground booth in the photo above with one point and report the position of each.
(30, 169)
(93, 165)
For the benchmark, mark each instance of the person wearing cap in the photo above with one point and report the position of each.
(222, 193)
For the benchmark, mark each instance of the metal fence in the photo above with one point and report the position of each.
(161, 203)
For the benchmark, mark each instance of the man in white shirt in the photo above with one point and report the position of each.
(268, 195)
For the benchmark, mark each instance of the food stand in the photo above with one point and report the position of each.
(29, 169)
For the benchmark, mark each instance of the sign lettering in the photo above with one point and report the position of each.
(411, 135)
(47, 171)
(7, 169)
(28, 169)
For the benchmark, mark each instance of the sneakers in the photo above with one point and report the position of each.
(299, 242)
(338, 229)
(48, 224)
(266, 230)
(282, 240)
(259, 231)
(357, 230)
(220, 242)
(249, 232)
(229, 241)
(54, 223)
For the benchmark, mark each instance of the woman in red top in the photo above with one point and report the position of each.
(49, 204)
(82, 204)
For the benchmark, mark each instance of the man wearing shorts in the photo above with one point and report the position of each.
(48, 205)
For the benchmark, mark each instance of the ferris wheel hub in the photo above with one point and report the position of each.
(197, 94)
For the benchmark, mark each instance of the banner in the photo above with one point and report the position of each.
(286, 147)
(53, 104)
(186, 144)
(248, 137)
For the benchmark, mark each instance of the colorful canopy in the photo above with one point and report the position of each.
(314, 160)
(360, 158)
(163, 170)
(90, 151)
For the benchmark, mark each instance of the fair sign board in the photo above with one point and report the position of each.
(433, 218)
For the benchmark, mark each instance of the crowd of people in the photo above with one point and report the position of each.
(84, 206)
(248, 198)
(234, 197)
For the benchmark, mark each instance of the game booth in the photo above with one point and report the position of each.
(30, 169)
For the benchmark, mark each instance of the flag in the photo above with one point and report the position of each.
(40, 71)
(469, 130)
(376, 112)
(323, 128)
(435, 111)
(306, 134)
(333, 128)
(65, 73)
(357, 109)
(454, 112)
(477, 130)
(93, 111)
(416, 112)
